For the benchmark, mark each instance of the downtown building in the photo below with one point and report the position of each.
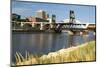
(41, 16)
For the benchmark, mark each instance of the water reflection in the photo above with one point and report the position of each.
(43, 43)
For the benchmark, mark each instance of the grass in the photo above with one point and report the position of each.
(84, 52)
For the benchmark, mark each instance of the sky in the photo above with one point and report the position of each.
(82, 12)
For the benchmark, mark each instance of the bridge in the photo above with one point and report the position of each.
(58, 27)
(71, 26)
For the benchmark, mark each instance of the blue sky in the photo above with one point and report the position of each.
(82, 13)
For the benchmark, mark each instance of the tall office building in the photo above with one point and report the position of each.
(72, 16)
(41, 14)
(53, 18)
(47, 15)
(15, 17)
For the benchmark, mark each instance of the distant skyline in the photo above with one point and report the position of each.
(82, 13)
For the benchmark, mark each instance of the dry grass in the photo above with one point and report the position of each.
(84, 52)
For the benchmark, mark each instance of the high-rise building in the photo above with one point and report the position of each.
(36, 19)
(53, 18)
(72, 16)
(41, 14)
(15, 17)
(47, 16)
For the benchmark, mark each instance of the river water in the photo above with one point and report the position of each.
(43, 43)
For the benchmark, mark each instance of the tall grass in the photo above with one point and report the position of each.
(84, 52)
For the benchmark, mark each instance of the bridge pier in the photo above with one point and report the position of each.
(70, 32)
(22, 24)
(94, 33)
(41, 26)
(33, 25)
(85, 32)
(51, 25)
(77, 32)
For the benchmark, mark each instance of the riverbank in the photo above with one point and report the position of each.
(84, 52)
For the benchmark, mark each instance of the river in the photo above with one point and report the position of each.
(43, 43)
